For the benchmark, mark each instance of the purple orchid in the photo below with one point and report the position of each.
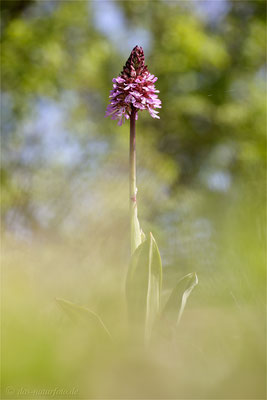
(133, 90)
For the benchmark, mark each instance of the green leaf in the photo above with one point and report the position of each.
(143, 236)
(175, 305)
(136, 232)
(154, 286)
(143, 285)
(83, 315)
(137, 283)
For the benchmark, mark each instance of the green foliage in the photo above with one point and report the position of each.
(136, 234)
(87, 318)
(143, 291)
(143, 296)
(211, 83)
(153, 287)
(143, 285)
(174, 308)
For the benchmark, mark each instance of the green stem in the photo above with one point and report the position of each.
(135, 228)
(132, 160)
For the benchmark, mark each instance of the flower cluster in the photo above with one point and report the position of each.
(133, 90)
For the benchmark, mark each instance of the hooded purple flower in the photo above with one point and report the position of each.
(133, 90)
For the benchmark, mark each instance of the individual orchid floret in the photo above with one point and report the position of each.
(133, 90)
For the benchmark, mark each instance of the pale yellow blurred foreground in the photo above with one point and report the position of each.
(218, 352)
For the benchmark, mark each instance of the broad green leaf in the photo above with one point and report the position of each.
(143, 236)
(175, 305)
(137, 284)
(154, 286)
(143, 285)
(136, 235)
(83, 314)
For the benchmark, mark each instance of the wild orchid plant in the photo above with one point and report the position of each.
(134, 91)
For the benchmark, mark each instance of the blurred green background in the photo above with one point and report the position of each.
(201, 191)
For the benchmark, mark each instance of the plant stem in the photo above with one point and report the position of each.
(135, 229)
(132, 160)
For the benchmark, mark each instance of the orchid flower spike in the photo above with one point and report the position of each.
(133, 90)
